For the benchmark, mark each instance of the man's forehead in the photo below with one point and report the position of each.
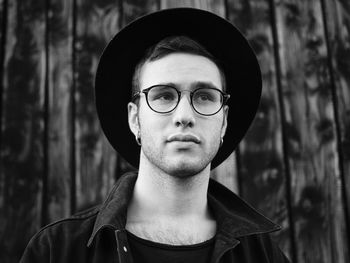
(180, 69)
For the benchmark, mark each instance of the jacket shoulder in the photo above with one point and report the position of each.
(65, 236)
(84, 219)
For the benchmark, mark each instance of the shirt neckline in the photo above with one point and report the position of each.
(164, 246)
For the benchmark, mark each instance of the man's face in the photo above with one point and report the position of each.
(163, 135)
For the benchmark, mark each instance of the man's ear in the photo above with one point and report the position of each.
(133, 118)
(224, 123)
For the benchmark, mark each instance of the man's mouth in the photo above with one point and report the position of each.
(183, 138)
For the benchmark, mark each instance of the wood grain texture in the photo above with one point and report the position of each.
(202, 4)
(22, 131)
(2, 19)
(337, 17)
(96, 23)
(217, 7)
(316, 196)
(2, 54)
(226, 173)
(2, 174)
(2, 50)
(60, 78)
(262, 171)
(133, 9)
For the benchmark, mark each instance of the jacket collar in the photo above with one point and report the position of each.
(235, 218)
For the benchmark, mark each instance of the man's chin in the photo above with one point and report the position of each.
(186, 168)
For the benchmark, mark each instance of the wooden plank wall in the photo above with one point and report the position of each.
(293, 165)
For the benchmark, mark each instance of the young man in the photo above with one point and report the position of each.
(180, 65)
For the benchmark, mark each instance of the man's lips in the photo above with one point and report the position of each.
(183, 138)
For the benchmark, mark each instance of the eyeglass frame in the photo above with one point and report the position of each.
(225, 97)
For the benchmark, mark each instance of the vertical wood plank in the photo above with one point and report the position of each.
(262, 176)
(133, 9)
(226, 173)
(22, 131)
(217, 7)
(96, 23)
(183, 3)
(59, 99)
(3, 22)
(337, 17)
(312, 155)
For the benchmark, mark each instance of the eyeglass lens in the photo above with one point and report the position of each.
(164, 99)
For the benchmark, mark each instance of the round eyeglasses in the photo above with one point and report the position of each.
(164, 99)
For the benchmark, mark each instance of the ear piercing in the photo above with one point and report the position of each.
(138, 138)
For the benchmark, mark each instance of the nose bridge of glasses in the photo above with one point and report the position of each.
(186, 98)
(189, 96)
(184, 112)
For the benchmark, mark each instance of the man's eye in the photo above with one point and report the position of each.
(204, 97)
(164, 96)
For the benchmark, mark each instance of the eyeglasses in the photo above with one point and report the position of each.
(164, 99)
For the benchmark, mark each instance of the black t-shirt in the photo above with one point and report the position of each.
(146, 251)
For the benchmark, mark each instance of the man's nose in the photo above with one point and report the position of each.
(184, 114)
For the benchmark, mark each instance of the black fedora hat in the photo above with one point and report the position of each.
(217, 35)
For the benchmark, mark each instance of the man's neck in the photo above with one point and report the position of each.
(170, 201)
(160, 194)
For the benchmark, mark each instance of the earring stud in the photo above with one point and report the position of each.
(138, 138)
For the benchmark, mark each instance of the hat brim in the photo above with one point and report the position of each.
(223, 40)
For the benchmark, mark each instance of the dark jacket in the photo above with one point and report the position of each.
(99, 235)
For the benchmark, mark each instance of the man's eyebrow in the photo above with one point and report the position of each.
(203, 84)
(168, 84)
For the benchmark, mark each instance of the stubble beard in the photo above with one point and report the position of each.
(180, 169)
